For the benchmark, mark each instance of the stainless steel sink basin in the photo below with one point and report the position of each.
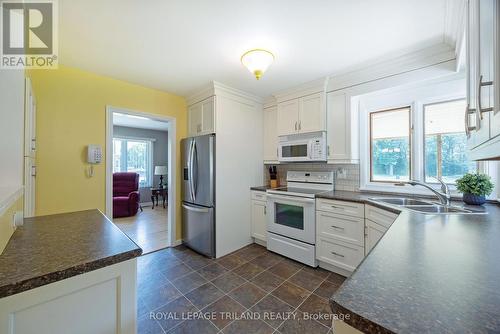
(439, 209)
(402, 201)
(426, 207)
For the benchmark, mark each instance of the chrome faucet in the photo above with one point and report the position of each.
(444, 196)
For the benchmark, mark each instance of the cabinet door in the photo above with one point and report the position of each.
(481, 121)
(288, 117)
(208, 116)
(195, 118)
(312, 113)
(270, 134)
(374, 232)
(259, 223)
(489, 51)
(338, 127)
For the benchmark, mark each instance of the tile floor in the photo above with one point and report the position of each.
(148, 228)
(175, 283)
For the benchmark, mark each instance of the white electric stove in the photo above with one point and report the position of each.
(291, 223)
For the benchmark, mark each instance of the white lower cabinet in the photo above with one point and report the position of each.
(340, 233)
(99, 301)
(338, 253)
(374, 232)
(347, 231)
(259, 215)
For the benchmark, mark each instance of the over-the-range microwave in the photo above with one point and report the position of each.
(303, 147)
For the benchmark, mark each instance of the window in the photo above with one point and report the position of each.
(134, 155)
(445, 142)
(390, 148)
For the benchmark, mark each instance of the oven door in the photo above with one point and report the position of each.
(294, 151)
(292, 217)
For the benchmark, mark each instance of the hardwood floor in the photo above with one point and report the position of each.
(148, 229)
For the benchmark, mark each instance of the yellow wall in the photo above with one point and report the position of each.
(71, 113)
(6, 228)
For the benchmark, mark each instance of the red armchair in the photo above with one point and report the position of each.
(125, 194)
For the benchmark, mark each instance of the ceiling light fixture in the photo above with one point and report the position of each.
(257, 61)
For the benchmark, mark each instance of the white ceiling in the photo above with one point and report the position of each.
(133, 121)
(182, 45)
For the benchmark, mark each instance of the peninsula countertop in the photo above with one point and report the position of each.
(48, 249)
(428, 274)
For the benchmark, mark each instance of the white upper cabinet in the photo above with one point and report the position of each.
(288, 117)
(302, 115)
(342, 130)
(312, 113)
(270, 134)
(201, 117)
(482, 78)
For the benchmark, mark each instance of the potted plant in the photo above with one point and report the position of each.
(475, 187)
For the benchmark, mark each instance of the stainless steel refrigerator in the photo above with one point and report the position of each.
(198, 194)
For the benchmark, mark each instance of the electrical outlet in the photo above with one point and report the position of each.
(341, 173)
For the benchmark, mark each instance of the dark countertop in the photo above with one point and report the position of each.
(428, 274)
(260, 188)
(51, 248)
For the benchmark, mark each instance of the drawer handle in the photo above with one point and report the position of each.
(337, 254)
(338, 227)
(336, 207)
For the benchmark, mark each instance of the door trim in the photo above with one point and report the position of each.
(172, 166)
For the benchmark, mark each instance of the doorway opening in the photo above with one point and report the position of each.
(140, 184)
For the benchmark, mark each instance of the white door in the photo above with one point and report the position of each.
(208, 116)
(374, 232)
(195, 119)
(270, 134)
(312, 113)
(288, 117)
(259, 222)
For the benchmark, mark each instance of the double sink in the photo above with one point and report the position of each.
(424, 206)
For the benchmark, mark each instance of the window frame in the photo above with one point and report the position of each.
(367, 104)
(150, 162)
(410, 143)
(424, 105)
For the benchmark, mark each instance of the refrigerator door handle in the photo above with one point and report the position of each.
(195, 171)
(192, 208)
(191, 157)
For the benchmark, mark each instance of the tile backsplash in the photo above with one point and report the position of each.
(350, 183)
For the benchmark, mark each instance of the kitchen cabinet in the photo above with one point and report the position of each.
(270, 134)
(302, 115)
(377, 222)
(287, 117)
(259, 215)
(340, 233)
(483, 51)
(342, 133)
(374, 232)
(99, 301)
(201, 117)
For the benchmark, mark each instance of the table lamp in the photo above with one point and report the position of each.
(161, 170)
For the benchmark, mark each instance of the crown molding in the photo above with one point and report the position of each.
(308, 88)
(217, 88)
(431, 56)
(269, 101)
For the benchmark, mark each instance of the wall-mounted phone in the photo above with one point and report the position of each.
(94, 157)
(94, 154)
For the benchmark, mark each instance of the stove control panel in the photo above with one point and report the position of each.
(310, 177)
